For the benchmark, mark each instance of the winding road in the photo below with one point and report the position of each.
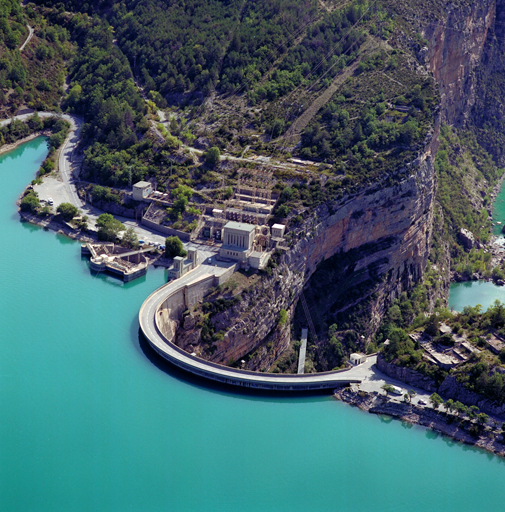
(63, 189)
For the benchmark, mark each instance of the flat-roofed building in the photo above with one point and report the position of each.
(358, 358)
(238, 240)
(142, 190)
(278, 230)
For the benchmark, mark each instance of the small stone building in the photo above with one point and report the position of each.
(358, 358)
(278, 230)
(142, 190)
(182, 266)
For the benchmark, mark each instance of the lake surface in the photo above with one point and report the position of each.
(89, 423)
(499, 211)
(471, 293)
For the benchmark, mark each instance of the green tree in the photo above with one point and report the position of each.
(283, 316)
(174, 247)
(35, 122)
(212, 156)
(472, 411)
(432, 327)
(108, 227)
(482, 418)
(130, 239)
(67, 211)
(460, 408)
(30, 203)
(282, 211)
(436, 400)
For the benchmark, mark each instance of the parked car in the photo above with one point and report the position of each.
(421, 402)
(50, 201)
(397, 390)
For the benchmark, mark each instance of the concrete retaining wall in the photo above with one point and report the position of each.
(221, 279)
(194, 292)
(185, 237)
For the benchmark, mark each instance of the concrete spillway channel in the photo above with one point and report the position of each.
(154, 310)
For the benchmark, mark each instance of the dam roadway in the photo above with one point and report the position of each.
(148, 314)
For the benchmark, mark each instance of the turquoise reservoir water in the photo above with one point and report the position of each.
(471, 293)
(88, 423)
(499, 211)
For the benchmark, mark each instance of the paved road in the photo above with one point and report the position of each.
(372, 380)
(147, 319)
(64, 191)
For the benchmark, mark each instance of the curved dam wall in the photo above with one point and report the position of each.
(159, 316)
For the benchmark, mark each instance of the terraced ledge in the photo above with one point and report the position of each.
(148, 319)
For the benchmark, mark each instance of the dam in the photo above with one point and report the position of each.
(158, 319)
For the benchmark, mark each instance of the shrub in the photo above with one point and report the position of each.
(67, 211)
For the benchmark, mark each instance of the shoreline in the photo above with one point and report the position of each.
(443, 423)
(64, 229)
(9, 147)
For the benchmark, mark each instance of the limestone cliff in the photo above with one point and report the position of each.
(466, 56)
(455, 51)
(381, 235)
(386, 229)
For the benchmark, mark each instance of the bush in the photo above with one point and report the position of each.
(108, 227)
(212, 156)
(67, 211)
(30, 203)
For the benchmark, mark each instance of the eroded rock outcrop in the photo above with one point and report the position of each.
(456, 47)
(390, 225)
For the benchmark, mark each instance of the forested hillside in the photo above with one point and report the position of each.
(324, 98)
(34, 77)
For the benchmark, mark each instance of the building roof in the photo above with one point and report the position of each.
(242, 226)
(278, 226)
(142, 184)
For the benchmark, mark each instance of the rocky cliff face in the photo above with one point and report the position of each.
(466, 56)
(449, 388)
(388, 230)
(456, 47)
(407, 375)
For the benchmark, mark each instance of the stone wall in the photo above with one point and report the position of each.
(185, 237)
(406, 375)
